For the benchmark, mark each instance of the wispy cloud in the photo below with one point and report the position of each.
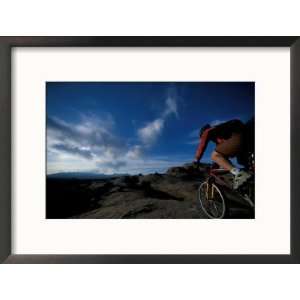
(216, 122)
(113, 165)
(80, 151)
(193, 137)
(91, 144)
(90, 134)
(134, 152)
(152, 130)
(194, 133)
(171, 107)
(193, 142)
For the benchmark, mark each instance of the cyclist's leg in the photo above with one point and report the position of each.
(221, 160)
(230, 148)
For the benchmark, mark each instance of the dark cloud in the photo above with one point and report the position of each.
(74, 150)
(116, 165)
(62, 129)
(91, 134)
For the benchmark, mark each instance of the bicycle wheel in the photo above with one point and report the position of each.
(211, 200)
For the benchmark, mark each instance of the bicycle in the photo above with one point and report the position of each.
(217, 189)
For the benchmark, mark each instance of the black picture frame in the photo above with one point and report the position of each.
(6, 45)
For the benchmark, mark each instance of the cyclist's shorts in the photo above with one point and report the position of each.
(232, 146)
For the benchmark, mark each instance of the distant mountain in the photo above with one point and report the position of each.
(82, 175)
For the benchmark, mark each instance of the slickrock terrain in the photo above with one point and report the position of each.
(172, 195)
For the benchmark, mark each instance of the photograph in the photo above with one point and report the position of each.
(150, 150)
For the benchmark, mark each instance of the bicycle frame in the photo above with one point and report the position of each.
(215, 176)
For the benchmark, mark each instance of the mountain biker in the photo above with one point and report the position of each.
(229, 138)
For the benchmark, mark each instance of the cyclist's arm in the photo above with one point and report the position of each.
(203, 144)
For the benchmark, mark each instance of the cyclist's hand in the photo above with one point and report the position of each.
(196, 163)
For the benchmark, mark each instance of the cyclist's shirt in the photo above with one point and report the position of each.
(218, 134)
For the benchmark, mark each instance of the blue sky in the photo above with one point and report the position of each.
(135, 127)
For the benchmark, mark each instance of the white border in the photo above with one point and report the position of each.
(269, 233)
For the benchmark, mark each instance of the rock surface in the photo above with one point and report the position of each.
(172, 195)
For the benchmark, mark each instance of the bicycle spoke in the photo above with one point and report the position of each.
(214, 207)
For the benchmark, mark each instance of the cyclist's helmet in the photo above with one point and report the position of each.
(207, 126)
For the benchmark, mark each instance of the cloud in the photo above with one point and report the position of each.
(154, 164)
(152, 130)
(91, 144)
(114, 165)
(135, 152)
(194, 142)
(74, 150)
(216, 122)
(171, 107)
(194, 133)
(87, 138)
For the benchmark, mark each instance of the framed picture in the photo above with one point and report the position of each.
(149, 149)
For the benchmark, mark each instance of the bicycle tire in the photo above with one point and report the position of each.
(202, 200)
